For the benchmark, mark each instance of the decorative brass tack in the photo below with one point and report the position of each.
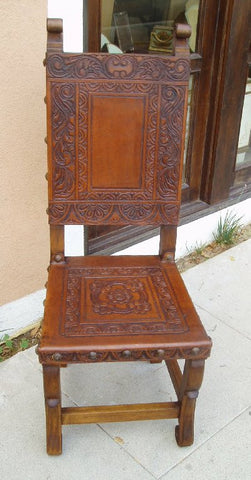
(47, 211)
(52, 402)
(193, 394)
(45, 99)
(45, 139)
(92, 355)
(46, 284)
(44, 62)
(44, 302)
(127, 353)
(160, 352)
(195, 350)
(46, 176)
(57, 357)
(58, 257)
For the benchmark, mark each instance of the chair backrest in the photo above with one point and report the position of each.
(116, 127)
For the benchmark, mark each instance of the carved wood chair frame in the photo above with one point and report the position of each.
(77, 84)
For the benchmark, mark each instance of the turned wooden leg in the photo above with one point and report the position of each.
(52, 395)
(189, 390)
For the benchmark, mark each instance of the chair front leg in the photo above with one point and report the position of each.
(52, 395)
(189, 391)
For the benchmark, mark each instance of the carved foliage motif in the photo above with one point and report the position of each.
(74, 212)
(73, 200)
(126, 300)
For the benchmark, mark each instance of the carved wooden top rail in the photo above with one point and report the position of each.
(115, 133)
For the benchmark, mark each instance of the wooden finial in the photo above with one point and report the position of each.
(54, 25)
(183, 30)
(55, 35)
(181, 33)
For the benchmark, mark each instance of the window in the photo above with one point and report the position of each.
(217, 163)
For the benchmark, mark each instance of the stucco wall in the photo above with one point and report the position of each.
(24, 237)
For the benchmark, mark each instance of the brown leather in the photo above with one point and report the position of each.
(98, 308)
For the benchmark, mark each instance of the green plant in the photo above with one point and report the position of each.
(5, 343)
(227, 229)
(9, 346)
(24, 343)
(199, 247)
(196, 249)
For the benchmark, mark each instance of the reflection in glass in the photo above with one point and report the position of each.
(190, 89)
(135, 21)
(244, 145)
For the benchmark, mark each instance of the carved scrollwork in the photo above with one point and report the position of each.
(82, 142)
(63, 143)
(157, 68)
(166, 69)
(170, 141)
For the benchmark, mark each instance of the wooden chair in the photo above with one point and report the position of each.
(116, 127)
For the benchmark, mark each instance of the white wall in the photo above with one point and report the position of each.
(72, 14)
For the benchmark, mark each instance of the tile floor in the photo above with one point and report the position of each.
(221, 290)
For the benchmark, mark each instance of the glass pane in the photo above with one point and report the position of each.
(134, 25)
(244, 145)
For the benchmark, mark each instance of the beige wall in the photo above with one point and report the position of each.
(24, 230)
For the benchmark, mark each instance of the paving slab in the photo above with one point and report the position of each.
(226, 456)
(115, 383)
(222, 286)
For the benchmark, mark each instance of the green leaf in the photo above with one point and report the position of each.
(24, 343)
(8, 342)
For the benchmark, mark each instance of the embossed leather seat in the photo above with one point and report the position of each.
(116, 126)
